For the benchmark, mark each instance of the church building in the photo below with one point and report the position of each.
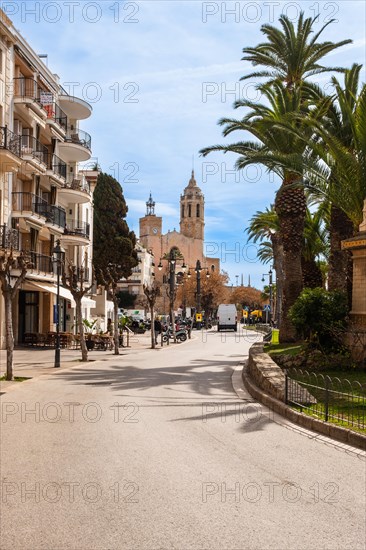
(189, 240)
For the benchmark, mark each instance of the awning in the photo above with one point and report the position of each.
(64, 293)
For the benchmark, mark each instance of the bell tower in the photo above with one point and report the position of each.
(192, 213)
(150, 227)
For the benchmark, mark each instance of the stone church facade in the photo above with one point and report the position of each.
(189, 240)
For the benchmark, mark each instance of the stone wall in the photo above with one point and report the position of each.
(265, 373)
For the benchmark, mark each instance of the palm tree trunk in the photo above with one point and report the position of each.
(290, 206)
(278, 267)
(9, 334)
(340, 261)
(311, 274)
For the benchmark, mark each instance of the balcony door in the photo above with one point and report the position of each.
(28, 313)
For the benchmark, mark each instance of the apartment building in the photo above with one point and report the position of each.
(45, 195)
(142, 274)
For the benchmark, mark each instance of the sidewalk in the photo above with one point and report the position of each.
(30, 362)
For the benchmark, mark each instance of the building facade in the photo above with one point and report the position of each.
(142, 274)
(44, 194)
(189, 240)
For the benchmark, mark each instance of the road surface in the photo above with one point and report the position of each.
(155, 450)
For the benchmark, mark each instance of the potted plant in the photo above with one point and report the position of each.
(89, 327)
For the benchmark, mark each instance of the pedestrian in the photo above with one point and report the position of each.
(157, 329)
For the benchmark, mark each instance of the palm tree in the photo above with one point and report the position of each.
(334, 168)
(316, 246)
(290, 56)
(273, 146)
(340, 123)
(265, 225)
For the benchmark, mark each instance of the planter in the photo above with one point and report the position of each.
(90, 344)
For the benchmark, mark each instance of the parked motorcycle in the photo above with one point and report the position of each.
(180, 335)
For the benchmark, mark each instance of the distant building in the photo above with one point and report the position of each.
(142, 274)
(189, 240)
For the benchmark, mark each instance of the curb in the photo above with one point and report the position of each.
(330, 430)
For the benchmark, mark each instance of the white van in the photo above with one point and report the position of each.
(227, 317)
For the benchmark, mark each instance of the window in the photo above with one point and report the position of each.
(189, 211)
(182, 211)
(197, 210)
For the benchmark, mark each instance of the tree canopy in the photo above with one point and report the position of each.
(113, 242)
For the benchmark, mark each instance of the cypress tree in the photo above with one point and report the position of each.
(113, 242)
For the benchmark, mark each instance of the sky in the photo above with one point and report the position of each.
(159, 75)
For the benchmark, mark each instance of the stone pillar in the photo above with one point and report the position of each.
(356, 336)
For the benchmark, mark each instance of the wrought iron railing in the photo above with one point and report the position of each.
(80, 138)
(55, 113)
(58, 166)
(329, 398)
(78, 185)
(29, 202)
(32, 146)
(56, 215)
(10, 141)
(28, 88)
(83, 273)
(9, 238)
(40, 262)
(80, 229)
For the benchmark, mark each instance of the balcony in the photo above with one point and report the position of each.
(76, 147)
(57, 168)
(34, 152)
(9, 238)
(10, 146)
(83, 274)
(76, 233)
(74, 107)
(56, 117)
(28, 205)
(55, 215)
(29, 94)
(40, 262)
(75, 192)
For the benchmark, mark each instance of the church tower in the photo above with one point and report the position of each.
(150, 227)
(192, 213)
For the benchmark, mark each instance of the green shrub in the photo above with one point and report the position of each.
(320, 316)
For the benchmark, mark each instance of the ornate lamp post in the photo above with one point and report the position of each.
(58, 253)
(269, 275)
(172, 257)
(198, 270)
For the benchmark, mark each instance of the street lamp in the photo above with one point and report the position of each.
(58, 253)
(172, 257)
(269, 275)
(198, 270)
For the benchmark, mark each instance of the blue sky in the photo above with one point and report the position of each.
(159, 75)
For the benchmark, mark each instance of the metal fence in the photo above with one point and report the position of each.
(328, 398)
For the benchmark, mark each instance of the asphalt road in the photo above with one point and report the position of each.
(155, 450)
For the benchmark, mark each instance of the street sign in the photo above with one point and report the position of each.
(267, 308)
(198, 317)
